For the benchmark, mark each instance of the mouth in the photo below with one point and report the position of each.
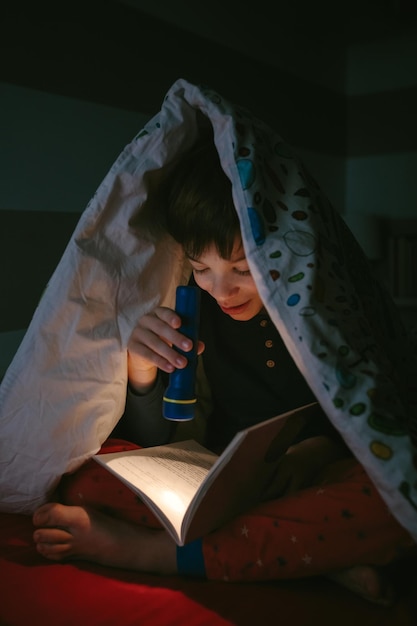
(235, 310)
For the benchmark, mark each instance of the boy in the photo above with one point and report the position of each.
(321, 515)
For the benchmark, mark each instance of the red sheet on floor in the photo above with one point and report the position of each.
(34, 591)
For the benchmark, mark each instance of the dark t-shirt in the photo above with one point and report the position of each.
(251, 374)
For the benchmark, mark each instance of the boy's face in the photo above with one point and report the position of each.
(228, 281)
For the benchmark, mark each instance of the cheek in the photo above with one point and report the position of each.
(251, 289)
(201, 281)
(253, 293)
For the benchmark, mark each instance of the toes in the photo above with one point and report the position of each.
(58, 515)
(51, 535)
(54, 551)
(42, 515)
(53, 543)
(58, 530)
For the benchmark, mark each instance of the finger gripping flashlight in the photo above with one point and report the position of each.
(180, 399)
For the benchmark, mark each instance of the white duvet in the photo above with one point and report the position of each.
(65, 389)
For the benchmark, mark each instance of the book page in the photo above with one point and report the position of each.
(192, 490)
(166, 477)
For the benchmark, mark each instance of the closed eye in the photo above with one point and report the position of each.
(235, 270)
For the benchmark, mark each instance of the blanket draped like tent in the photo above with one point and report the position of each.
(65, 389)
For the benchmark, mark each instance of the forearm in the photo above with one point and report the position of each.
(319, 451)
(303, 462)
(141, 381)
(143, 422)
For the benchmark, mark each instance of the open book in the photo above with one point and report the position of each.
(191, 490)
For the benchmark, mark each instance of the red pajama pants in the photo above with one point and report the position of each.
(339, 522)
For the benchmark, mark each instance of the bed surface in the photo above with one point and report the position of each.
(35, 591)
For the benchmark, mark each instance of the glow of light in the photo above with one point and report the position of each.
(173, 501)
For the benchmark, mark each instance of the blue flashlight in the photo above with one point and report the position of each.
(180, 399)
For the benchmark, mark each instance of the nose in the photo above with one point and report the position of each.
(222, 289)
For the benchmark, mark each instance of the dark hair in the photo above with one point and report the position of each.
(199, 203)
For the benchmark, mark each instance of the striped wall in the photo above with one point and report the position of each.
(381, 182)
(382, 125)
(78, 85)
(54, 153)
(105, 52)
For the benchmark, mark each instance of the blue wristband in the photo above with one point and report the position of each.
(190, 560)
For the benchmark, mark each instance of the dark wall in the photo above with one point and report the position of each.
(383, 122)
(105, 52)
(31, 244)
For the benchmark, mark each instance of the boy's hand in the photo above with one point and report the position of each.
(300, 465)
(151, 348)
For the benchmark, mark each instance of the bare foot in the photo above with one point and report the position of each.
(367, 582)
(74, 532)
